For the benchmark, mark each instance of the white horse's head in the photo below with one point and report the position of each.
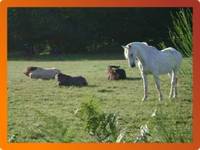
(130, 54)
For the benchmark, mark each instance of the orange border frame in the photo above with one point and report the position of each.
(4, 4)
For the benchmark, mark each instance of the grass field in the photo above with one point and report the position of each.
(40, 111)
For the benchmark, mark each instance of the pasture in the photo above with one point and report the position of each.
(37, 105)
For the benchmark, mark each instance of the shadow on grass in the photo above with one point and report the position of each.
(133, 78)
(105, 91)
(91, 86)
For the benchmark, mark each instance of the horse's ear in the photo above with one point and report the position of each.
(123, 46)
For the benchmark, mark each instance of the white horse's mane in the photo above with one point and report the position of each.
(146, 46)
(141, 44)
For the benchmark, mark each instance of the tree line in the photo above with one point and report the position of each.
(54, 31)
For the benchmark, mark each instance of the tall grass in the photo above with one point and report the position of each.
(162, 132)
(181, 33)
(102, 126)
(50, 128)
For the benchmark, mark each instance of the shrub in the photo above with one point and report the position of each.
(102, 126)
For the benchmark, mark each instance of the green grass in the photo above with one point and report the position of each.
(40, 111)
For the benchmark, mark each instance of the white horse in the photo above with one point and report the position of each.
(152, 61)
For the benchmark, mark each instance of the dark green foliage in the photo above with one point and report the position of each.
(36, 31)
(161, 45)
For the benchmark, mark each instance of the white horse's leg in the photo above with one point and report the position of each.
(175, 85)
(173, 90)
(145, 84)
(157, 80)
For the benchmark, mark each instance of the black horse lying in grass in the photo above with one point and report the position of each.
(67, 80)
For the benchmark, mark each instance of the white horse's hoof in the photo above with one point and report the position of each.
(174, 97)
(170, 96)
(160, 98)
(144, 99)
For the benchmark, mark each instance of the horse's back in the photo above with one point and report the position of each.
(171, 57)
(172, 53)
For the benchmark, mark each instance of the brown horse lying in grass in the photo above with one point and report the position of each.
(114, 73)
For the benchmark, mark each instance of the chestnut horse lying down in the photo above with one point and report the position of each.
(41, 73)
(70, 81)
(114, 73)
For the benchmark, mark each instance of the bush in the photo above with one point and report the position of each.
(102, 126)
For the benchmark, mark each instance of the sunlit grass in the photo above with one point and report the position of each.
(27, 97)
